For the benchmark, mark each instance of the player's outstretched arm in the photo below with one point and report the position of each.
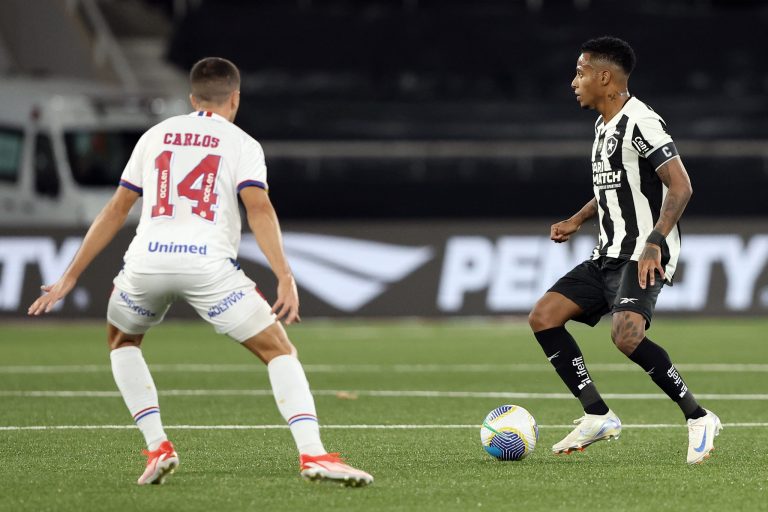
(563, 230)
(263, 222)
(675, 177)
(102, 231)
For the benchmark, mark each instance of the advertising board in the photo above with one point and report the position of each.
(430, 269)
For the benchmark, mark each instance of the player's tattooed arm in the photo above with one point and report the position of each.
(673, 174)
(562, 231)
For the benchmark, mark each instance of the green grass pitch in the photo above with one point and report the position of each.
(416, 376)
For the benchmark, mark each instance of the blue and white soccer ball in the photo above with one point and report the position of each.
(509, 432)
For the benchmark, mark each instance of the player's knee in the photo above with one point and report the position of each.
(627, 345)
(627, 331)
(118, 339)
(269, 351)
(270, 343)
(541, 317)
(122, 341)
(535, 319)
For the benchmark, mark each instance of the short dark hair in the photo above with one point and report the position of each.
(213, 79)
(613, 50)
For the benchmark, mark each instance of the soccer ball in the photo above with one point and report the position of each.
(509, 432)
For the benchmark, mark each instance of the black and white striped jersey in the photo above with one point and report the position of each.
(625, 155)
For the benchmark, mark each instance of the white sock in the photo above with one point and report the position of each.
(138, 389)
(295, 402)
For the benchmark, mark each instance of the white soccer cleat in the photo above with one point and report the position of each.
(331, 467)
(590, 428)
(701, 437)
(160, 463)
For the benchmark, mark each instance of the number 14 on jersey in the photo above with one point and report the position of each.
(202, 196)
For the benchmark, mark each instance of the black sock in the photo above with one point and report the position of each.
(564, 354)
(656, 363)
(591, 400)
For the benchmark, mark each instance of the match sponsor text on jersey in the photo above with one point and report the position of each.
(172, 247)
(604, 178)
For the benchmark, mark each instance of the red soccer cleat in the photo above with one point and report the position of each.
(160, 463)
(331, 467)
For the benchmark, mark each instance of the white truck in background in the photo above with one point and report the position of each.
(63, 147)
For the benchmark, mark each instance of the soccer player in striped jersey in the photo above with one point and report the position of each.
(640, 191)
(190, 170)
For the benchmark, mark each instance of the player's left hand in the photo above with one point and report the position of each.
(648, 264)
(53, 294)
(287, 304)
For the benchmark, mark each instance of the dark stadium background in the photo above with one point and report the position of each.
(481, 71)
(484, 71)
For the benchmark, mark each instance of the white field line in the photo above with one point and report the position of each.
(380, 368)
(341, 427)
(378, 393)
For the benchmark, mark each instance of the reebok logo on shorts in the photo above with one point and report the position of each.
(225, 303)
(627, 300)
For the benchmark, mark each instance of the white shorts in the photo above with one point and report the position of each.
(227, 299)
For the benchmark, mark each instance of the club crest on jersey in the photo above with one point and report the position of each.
(610, 145)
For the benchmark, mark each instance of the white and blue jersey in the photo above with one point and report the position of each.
(189, 170)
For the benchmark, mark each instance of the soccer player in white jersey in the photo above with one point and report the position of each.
(640, 191)
(190, 170)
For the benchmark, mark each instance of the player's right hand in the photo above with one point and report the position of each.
(53, 294)
(563, 230)
(286, 306)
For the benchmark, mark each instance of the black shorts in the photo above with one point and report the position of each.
(608, 285)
